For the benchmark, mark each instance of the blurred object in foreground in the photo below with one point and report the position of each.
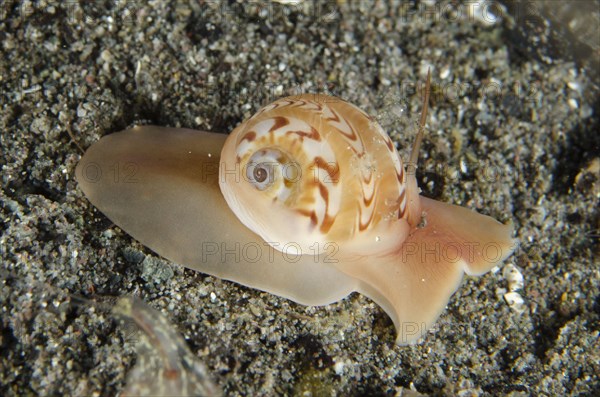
(165, 365)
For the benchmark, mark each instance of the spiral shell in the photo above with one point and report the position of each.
(311, 169)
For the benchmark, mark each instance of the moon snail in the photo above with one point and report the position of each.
(308, 199)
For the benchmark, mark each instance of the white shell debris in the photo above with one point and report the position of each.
(515, 301)
(515, 281)
(339, 368)
(486, 13)
(514, 277)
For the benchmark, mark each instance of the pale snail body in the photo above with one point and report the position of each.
(262, 205)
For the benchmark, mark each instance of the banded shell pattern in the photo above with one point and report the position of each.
(315, 169)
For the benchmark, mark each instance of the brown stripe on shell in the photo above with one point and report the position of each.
(389, 143)
(363, 226)
(368, 201)
(401, 213)
(280, 121)
(337, 119)
(297, 103)
(327, 219)
(286, 102)
(300, 103)
(332, 171)
(313, 134)
(327, 223)
(249, 136)
(400, 175)
(310, 214)
(400, 201)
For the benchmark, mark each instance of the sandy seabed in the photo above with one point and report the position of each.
(512, 133)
